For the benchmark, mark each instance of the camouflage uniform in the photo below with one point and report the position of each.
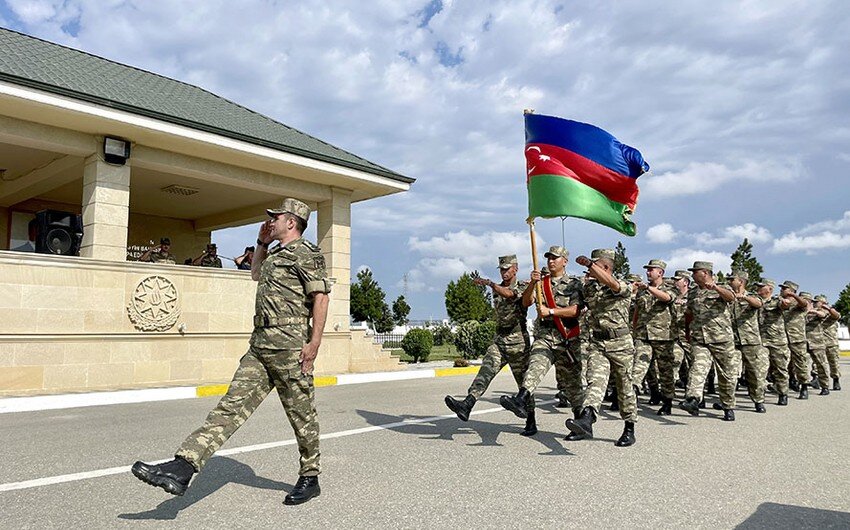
(711, 339)
(654, 335)
(745, 326)
(795, 328)
(209, 261)
(830, 336)
(610, 347)
(817, 345)
(681, 345)
(510, 346)
(288, 276)
(159, 256)
(775, 340)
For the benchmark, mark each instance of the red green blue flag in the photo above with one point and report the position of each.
(578, 170)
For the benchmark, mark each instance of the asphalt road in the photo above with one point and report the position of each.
(392, 459)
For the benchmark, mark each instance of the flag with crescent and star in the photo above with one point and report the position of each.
(578, 170)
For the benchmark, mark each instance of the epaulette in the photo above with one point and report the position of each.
(313, 247)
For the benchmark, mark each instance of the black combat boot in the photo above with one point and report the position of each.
(760, 408)
(628, 436)
(666, 407)
(654, 395)
(572, 436)
(793, 385)
(835, 384)
(824, 391)
(814, 383)
(690, 405)
(305, 489)
(702, 404)
(728, 415)
(615, 401)
(461, 408)
(783, 400)
(804, 391)
(717, 406)
(584, 424)
(516, 404)
(530, 424)
(563, 402)
(172, 476)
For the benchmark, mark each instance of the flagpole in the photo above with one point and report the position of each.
(538, 290)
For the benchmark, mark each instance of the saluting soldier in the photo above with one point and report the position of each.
(291, 309)
(681, 346)
(556, 334)
(815, 318)
(795, 328)
(610, 349)
(710, 329)
(161, 254)
(745, 326)
(830, 335)
(654, 334)
(510, 345)
(773, 336)
(209, 258)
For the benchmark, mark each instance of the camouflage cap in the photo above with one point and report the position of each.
(557, 251)
(741, 275)
(602, 253)
(790, 285)
(702, 265)
(806, 296)
(293, 206)
(656, 264)
(211, 245)
(506, 262)
(632, 278)
(682, 274)
(820, 298)
(766, 281)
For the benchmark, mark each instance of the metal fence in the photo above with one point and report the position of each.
(382, 338)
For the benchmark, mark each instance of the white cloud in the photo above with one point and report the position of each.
(702, 177)
(665, 233)
(683, 258)
(824, 235)
(662, 233)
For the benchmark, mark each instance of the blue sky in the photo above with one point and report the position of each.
(740, 107)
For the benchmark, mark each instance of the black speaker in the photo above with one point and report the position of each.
(58, 233)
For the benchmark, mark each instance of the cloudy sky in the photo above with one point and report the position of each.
(740, 107)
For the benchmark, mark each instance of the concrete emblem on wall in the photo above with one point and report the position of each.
(154, 304)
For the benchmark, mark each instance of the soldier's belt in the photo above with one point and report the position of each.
(607, 334)
(261, 321)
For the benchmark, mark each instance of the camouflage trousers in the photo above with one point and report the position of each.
(660, 353)
(778, 359)
(818, 354)
(737, 363)
(618, 363)
(722, 353)
(682, 354)
(832, 354)
(563, 368)
(547, 347)
(799, 362)
(497, 356)
(260, 371)
(755, 363)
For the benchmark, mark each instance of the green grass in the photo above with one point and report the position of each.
(446, 352)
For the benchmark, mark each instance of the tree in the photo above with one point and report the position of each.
(367, 299)
(842, 305)
(621, 262)
(400, 311)
(467, 301)
(385, 322)
(743, 260)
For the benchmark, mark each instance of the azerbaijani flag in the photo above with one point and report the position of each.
(579, 170)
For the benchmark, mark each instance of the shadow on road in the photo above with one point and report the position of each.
(772, 515)
(217, 473)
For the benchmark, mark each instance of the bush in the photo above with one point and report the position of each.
(418, 343)
(461, 363)
(391, 344)
(465, 338)
(483, 337)
(443, 335)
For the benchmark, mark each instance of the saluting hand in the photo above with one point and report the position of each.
(265, 234)
(584, 261)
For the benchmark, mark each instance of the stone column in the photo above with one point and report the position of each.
(334, 233)
(106, 210)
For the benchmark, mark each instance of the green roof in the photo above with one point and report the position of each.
(35, 63)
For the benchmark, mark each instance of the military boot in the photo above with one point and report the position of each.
(305, 489)
(793, 385)
(804, 391)
(563, 402)
(824, 391)
(728, 415)
(654, 395)
(783, 400)
(690, 405)
(584, 424)
(172, 476)
(814, 383)
(628, 436)
(835, 384)
(530, 424)
(710, 387)
(717, 406)
(760, 408)
(461, 408)
(517, 403)
(573, 436)
(702, 404)
(666, 407)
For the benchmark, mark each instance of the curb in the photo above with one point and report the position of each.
(118, 397)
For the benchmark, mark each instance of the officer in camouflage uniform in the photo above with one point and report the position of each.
(650, 372)
(773, 336)
(830, 335)
(710, 330)
(293, 287)
(654, 334)
(745, 327)
(549, 345)
(681, 346)
(160, 255)
(611, 347)
(209, 258)
(795, 328)
(815, 341)
(510, 345)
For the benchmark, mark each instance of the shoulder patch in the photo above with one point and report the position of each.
(311, 246)
(319, 261)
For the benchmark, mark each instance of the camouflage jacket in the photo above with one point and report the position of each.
(609, 315)
(157, 256)
(680, 305)
(745, 323)
(711, 319)
(830, 330)
(510, 316)
(289, 274)
(795, 323)
(772, 323)
(655, 320)
(209, 261)
(814, 330)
